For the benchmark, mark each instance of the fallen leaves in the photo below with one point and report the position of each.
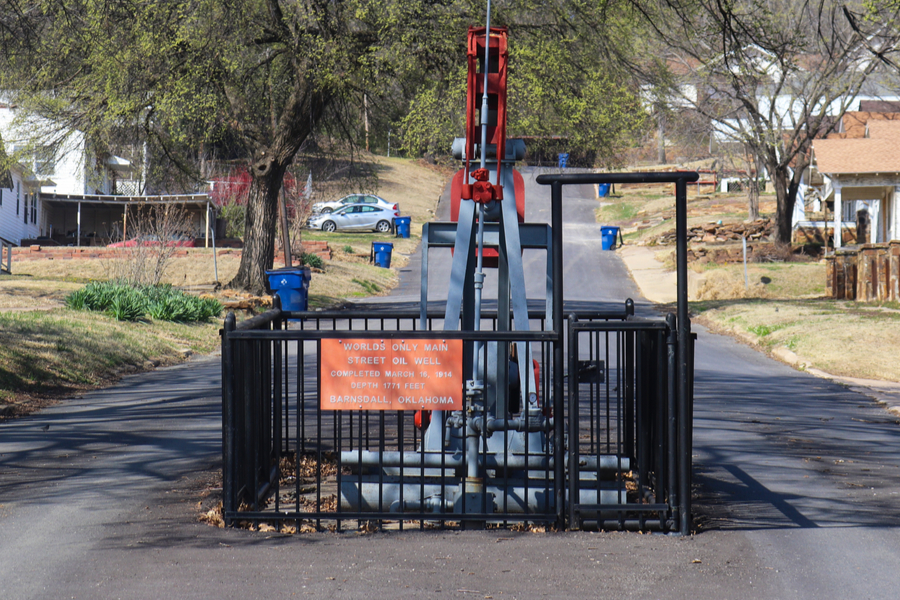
(213, 516)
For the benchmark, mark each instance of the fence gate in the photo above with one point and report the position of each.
(625, 470)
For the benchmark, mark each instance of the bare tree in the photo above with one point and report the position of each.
(771, 75)
(151, 235)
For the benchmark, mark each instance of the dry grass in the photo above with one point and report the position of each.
(18, 292)
(837, 337)
(197, 268)
(770, 280)
(53, 353)
(414, 184)
(48, 351)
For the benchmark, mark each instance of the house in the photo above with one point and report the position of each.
(72, 194)
(21, 216)
(862, 175)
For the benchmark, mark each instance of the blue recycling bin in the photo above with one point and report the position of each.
(602, 190)
(563, 159)
(608, 235)
(402, 224)
(381, 254)
(291, 285)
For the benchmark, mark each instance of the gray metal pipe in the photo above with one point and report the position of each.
(531, 423)
(437, 460)
(392, 496)
(613, 524)
(472, 463)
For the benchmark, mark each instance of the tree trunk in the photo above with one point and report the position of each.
(661, 137)
(302, 109)
(267, 177)
(753, 188)
(786, 195)
(753, 208)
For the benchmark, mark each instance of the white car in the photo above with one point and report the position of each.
(328, 207)
(355, 216)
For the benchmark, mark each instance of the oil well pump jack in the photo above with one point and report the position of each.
(487, 193)
(579, 418)
(508, 450)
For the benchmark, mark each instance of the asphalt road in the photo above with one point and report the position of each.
(797, 483)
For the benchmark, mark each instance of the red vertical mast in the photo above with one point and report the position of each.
(496, 83)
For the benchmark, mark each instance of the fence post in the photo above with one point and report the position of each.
(672, 416)
(574, 449)
(559, 402)
(684, 334)
(228, 475)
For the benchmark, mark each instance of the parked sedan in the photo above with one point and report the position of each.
(355, 216)
(327, 207)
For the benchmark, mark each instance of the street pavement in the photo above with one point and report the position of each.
(796, 480)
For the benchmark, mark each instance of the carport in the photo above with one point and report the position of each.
(95, 220)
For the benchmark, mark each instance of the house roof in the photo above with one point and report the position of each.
(853, 124)
(884, 129)
(186, 199)
(865, 155)
(868, 145)
(880, 106)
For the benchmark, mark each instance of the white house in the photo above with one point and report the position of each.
(72, 168)
(70, 194)
(21, 213)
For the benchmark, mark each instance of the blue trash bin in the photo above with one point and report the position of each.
(381, 254)
(291, 285)
(563, 159)
(608, 237)
(602, 190)
(402, 224)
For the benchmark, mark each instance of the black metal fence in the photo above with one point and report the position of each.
(629, 463)
(619, 462)
(617, 454)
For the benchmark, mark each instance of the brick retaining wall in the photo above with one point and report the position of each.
(36, 252)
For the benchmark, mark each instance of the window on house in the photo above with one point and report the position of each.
(44, 161)
(1, 196)
(26, 209)
(17, 197)
(34, 209)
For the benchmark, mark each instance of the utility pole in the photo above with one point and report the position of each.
(285, 232)
(366, 118)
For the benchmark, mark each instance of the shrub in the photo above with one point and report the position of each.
(126, 307)
(124, 302)
(234, 219)
(312, 260)
(77, 300)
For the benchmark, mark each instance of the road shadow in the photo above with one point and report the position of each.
(788, 450)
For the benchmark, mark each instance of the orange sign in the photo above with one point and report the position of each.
(371, 374)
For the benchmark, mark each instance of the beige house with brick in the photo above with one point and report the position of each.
(864, 173)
